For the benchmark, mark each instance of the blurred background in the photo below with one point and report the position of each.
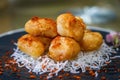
(100, 13)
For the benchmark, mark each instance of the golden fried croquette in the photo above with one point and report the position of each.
(91, 41)
(41, 27)
(31, 45)
(63, 48)
(70, 26)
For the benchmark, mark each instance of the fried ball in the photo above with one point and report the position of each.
(41, 27)
(31, 45)
(70, 26)
(91, 41)
(63, 48)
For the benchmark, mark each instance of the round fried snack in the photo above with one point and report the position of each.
(31, 45)
(63, 48)
(70, 26)
(91, 41)
(41, 27)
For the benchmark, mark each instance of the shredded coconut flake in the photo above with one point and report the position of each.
(94, 60)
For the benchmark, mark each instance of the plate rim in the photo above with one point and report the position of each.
(11, 32)
(22, 29)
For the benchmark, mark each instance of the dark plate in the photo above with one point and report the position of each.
(109, 72)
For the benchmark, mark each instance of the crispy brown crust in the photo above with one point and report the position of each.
(70, 26)
(91, 41)
(41, 27)
(63, 48)
(31, 45)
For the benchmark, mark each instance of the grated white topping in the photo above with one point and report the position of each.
(94, 60)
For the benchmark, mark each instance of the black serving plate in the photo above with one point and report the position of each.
(109, 72)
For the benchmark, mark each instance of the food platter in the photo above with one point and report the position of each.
(109, 72)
